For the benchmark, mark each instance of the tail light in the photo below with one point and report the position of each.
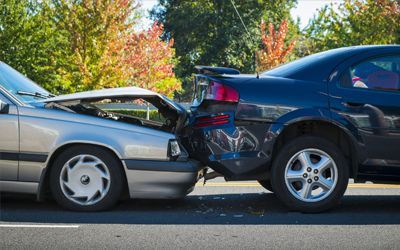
(211, 121)
(219, 92)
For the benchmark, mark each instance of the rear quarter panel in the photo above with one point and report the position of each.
(279, 100)
(243, 149)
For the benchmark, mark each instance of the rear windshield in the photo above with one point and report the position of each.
(294, 67)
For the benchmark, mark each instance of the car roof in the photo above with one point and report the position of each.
(319, 66)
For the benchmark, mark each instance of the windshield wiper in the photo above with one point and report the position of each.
(35, 94)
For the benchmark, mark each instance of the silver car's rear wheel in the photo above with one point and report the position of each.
(311, 175)
(85, 179)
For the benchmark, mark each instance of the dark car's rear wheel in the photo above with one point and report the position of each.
(86, 178)
(310, 174)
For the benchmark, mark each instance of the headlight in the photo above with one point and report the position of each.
(174, 149)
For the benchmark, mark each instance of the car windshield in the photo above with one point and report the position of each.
(293, 67)
(20, 86)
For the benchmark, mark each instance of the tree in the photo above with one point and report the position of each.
(274, 51)
(150, 61)
(97, 31)
(67, 45)
(355, 22)
(209, 32)
(30, 42)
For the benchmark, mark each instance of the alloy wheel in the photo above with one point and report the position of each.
(311, 175)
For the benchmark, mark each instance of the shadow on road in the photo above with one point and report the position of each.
(237, 209)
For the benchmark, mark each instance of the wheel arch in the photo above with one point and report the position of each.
(44, 179)
(323, 127)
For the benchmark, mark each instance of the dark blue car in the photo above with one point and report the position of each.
(302, 129)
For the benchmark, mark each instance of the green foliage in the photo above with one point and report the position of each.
(31, 43)
(67, 45)
(97, 32)
(356, 22)
(74, 45)
(168, 86)
(209, 32)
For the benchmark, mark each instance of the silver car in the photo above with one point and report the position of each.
(84, 151)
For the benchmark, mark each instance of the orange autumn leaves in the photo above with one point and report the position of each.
(102, 49)
(151, 61)
(108, 52)
(148, 62)
(274, 49)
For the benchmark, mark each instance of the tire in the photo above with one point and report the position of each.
(266, 184)
(292, 180)
(86, 178)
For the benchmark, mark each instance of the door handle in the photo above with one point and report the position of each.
(353, 104)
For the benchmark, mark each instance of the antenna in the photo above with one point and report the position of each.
(248, 33)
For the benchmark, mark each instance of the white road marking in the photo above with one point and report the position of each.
(37, 226)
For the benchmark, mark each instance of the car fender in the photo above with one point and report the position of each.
(321, 115)
(52, 155)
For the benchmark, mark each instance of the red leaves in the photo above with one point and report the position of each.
(150, 61)
(274, 51)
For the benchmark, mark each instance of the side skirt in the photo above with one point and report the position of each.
(19, 187)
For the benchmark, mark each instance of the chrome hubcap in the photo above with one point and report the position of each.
(85, 179)
(311, 175)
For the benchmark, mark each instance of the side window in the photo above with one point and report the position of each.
(379, 73)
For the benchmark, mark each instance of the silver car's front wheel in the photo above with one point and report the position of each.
(86, 178)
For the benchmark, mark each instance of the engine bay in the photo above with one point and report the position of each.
(132, 110)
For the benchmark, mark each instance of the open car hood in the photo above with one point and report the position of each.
(112, 93)
(169, 109)
(103, 93)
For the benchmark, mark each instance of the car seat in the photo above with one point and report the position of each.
(383, 79)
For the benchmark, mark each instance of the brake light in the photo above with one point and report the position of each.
(219, 92)
(211, 121)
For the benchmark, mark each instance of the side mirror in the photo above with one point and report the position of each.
(4, 107)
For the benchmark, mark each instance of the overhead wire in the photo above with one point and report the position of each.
(248, 33)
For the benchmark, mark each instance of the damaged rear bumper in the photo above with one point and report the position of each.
(236, 152)
(161, 179)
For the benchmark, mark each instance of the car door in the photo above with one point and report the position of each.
(9, 140)
(367, 94)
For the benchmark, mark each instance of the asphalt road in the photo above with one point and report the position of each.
(216, 216)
